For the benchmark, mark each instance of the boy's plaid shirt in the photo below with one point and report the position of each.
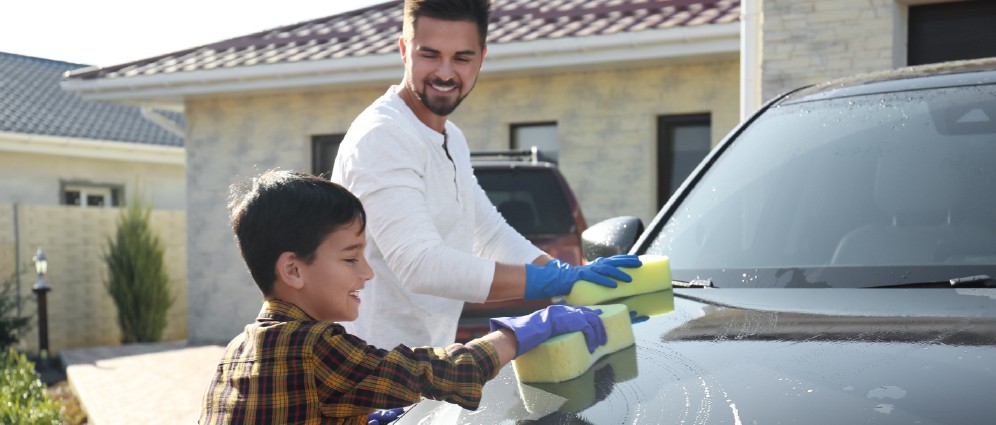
(289, 368)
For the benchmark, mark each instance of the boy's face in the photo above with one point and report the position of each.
(333, 280)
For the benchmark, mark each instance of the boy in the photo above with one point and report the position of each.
(302, 238)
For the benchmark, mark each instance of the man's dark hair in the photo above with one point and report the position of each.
(283, 211)
(476, 11)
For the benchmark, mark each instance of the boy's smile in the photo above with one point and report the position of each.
(332, 280)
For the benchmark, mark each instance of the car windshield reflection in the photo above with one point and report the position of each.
(899, 183)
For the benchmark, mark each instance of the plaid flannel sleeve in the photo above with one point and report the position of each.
(354, 378)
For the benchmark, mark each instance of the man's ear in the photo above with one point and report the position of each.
(289, 270)
(402, 48)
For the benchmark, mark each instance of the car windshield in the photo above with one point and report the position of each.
(861, 191)
(531, 200)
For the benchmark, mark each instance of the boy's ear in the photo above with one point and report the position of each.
(289, 270)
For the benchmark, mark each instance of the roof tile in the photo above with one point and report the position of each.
(32, 102)
(374, 30)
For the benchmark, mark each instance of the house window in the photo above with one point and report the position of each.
(682, 142)
(323, 151)
(951, 31)
(87, 195)
(541, 135)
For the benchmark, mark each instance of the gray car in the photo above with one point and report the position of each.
(832, 261)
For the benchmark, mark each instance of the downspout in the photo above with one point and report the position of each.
(750, 57)
(17, 261)
(158, 119)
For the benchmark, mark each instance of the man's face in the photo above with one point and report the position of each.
(441, 63)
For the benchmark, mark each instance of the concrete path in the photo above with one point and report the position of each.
(141, 383)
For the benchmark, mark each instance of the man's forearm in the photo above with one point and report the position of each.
(509, 282)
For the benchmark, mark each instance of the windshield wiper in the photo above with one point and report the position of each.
(977, 281)
(695, 283)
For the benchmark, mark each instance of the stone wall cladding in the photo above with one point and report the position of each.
(811, 41)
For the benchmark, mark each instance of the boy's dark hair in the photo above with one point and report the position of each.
(476, 11)
(283, 211)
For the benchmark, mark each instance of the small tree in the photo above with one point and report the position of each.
(11, 324)
(137, 278)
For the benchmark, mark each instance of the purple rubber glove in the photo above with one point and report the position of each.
(535, 328)
(384, 417)
(557, 278)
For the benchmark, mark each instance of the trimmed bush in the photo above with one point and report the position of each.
(23, 399)
(11, 324)
(137, 278)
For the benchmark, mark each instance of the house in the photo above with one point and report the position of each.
(66, 163)
(625, 95)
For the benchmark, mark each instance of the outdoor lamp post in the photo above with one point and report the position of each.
(41, 289)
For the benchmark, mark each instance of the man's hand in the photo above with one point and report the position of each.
(557, 278)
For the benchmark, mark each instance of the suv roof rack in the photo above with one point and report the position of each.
(531, 154)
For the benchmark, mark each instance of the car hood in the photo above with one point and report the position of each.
(745, 356)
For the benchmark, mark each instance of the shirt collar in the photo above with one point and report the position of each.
(281, 311)
(425, 131)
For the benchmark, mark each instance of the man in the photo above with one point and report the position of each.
(434, 239)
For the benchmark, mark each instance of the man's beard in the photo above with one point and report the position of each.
(440, 105)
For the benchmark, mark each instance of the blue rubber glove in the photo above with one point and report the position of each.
(557, 278)
(635, 317)
(383, 417)
(535, 328)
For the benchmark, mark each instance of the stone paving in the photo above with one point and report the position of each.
(148, 384)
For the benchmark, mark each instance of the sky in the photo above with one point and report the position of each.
(111, 32)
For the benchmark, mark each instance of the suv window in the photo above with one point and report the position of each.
(531, 200)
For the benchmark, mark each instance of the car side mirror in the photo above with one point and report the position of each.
(610, 237)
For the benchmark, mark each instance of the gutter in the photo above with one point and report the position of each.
(167, 124)
(170, 89)
(89, 148)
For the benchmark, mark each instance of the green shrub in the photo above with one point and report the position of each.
(11, 324)
(23, 399)
(137, 278)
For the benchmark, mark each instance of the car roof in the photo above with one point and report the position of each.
(945, 74)
(512, 158)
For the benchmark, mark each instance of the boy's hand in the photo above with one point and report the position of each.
(383, 417)
(533, 329)
(556, 278)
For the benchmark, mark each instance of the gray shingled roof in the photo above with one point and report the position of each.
(32, 102)
(374, 31)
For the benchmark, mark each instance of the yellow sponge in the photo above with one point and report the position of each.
(584, 391)
(650, 304)
(566, 356)
(653, 275)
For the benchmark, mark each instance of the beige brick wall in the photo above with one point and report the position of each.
(80, 311)
(810, 41)
(606, 120)
(28, 178)
(606, 124)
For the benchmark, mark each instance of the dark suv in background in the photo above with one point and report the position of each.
(536, 200)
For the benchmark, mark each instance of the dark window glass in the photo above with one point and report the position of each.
(683, 140)
(951, 31)
(541, 135)
(323, 151)
(530, 200)
(72, 197)
(95, 200)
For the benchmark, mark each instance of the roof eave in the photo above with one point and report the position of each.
(170, 90)
(89, 148)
